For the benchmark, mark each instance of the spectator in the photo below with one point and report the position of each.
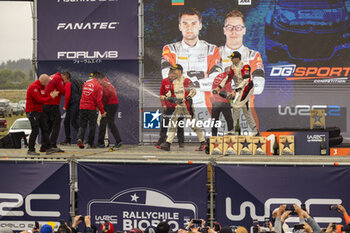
(163, 227)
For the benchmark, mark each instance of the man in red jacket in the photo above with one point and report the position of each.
(34, 108)
(51, 109)
(91, 99)
(110, 105)
(71, 106)
(168, 109)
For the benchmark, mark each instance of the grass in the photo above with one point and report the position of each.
(13, 95)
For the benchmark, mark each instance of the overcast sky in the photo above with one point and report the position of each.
(16, 30)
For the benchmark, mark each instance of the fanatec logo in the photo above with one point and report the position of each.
(280, 201)
(87, 55)
(87, 26)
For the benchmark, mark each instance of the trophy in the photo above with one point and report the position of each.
(216, 145)
(230, 145)
(317, 119)
(245, 145)
(286, 145)
(259, 145)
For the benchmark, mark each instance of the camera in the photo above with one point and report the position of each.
(106, 225)
(255, 226)
(298, 226)
(291, 208)
(36, 225)
(334, 226)
(333, 207)
(82, 218)
(346, 228)
(266, 222)
(303, 207)
(217, 226)
(197, 221)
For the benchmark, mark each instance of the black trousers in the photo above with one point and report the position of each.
(37, 122)
(165, 122)
(87, 117)
(72, 118)
(52, 116)
(225, 109)
(111, 110)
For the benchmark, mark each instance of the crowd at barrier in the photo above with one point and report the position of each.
(276, 224)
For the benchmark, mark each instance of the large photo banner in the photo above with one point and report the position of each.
(78, 30)
(297, 52)
(32, 192)
(140, 195)
(245, 193)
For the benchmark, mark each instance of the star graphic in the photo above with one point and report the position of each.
(231, 143)
(134, 197)
(286, 144)
(245, 144)
(317, 118)
(215, 145)
(156, 115)
(259, 144)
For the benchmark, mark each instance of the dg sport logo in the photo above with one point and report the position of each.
(151, 120)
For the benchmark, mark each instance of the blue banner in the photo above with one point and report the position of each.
(140, 195)
(253, 192)
(33, 192)
(78, 30)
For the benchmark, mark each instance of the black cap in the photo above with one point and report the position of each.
(97, 74)
(235, 54)
(177, 67)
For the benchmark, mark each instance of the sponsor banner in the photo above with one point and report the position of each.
(298, 52)
(306, 142)
(33, 192)
(80, 30)
(255, 191)
(138, 196)
(124, 76)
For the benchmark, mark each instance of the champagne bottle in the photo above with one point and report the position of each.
(237, 128)
(276, 150)
(323, 147)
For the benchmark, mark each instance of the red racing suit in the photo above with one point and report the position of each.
(165, 87)
(36, 97)
(91, 97)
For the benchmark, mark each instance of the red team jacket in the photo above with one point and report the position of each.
(36, 97)
(109, 93)
(91, 98)
(165, 88)
(56, 83)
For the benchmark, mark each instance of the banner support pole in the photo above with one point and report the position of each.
(35, 39)
(141, 66)
(73, 183)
